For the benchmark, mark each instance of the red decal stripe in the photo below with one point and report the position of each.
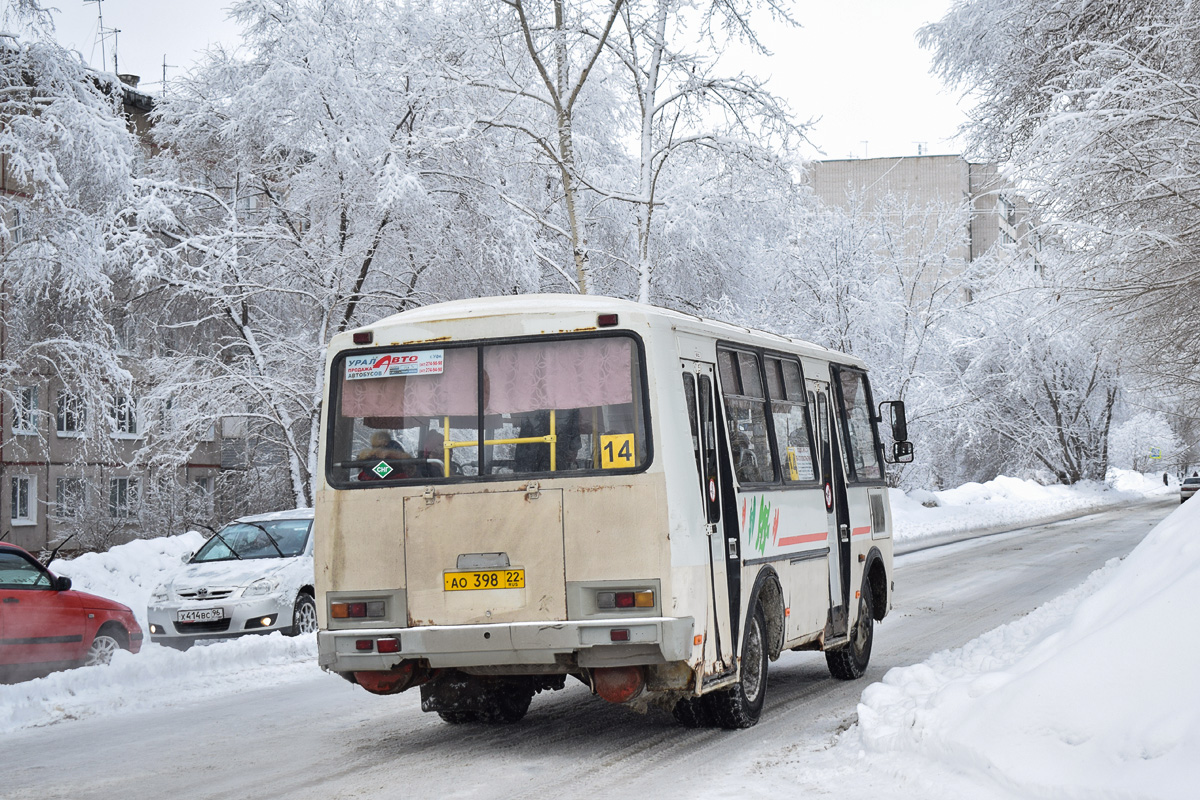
(860, 531)
(808, 537)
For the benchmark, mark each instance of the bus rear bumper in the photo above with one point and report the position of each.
(565, 645)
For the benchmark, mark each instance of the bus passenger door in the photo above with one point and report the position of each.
(699, 390)
(833, 478)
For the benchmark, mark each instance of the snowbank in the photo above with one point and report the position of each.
(1004, 503)
(1092, 695)
(157, 675)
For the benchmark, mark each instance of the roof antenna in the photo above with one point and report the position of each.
(164, 80)
(103, 33)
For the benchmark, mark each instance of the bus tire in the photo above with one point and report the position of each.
(849, 661)
(692, 712)
(741, 705)
(504, 705)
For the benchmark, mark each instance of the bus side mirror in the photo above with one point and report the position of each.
(902, 448)
(897, 418)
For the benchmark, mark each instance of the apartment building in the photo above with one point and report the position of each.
(998, 212)
(75, 464)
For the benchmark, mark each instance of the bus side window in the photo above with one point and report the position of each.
(788, 412)
(746, 417)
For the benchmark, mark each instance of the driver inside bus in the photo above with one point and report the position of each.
(384, 448)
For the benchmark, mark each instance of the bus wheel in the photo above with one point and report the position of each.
(692, 712)
(850, 660)
(741, 705)
(504, 705)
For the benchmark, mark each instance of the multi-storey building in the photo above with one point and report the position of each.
(998, 212)
(65, 468)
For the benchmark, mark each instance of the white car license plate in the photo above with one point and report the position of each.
(200, 615)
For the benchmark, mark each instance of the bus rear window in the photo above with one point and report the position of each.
(508, 409)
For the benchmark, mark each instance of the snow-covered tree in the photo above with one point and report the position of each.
(1096, 107)
(329, 177)
(1040, 379)
(1145, 442)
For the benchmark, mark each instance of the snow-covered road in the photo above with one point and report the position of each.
(311, 735)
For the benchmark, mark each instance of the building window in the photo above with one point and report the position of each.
(68, 497)
(25, 408)
(125, 417)
(70, 414)
(23, 510)
(122, 498)
(16, 233)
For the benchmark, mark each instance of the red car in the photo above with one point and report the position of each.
(45, 626)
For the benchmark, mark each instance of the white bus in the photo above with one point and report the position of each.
(518, 490)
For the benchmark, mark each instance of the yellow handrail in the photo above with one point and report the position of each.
(550, 439)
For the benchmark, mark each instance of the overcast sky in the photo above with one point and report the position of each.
(854, 64)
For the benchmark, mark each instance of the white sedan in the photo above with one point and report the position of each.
(255, 575)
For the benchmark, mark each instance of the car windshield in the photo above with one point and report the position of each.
(254, 540)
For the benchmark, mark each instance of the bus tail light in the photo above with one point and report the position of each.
(371, 609)
(639, 599)
(364, 337)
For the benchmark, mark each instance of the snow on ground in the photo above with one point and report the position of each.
(1091, 695)
(923, 517)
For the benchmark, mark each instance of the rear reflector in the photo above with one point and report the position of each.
(367, 645)
(619, 635)
(364, 337)
(388, 645)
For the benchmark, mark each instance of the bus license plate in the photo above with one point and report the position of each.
(485, 579)
(201, 615)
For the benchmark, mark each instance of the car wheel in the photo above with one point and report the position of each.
(304, 616)
(102, 649)
(850, 660)
(741, 705)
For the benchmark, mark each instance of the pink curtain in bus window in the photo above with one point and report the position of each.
(452, 392)
(564, 374)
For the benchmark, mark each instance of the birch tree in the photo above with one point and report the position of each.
(327, 179)
(1096, 106)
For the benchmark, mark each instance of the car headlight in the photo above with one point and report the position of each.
(260, 587)
(160, 594)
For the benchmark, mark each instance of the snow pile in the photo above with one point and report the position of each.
(157, 675)
(128, 573)
(1092, 695)
(1006, 503)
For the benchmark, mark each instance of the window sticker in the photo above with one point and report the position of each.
(393, 365)
(616, 451)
